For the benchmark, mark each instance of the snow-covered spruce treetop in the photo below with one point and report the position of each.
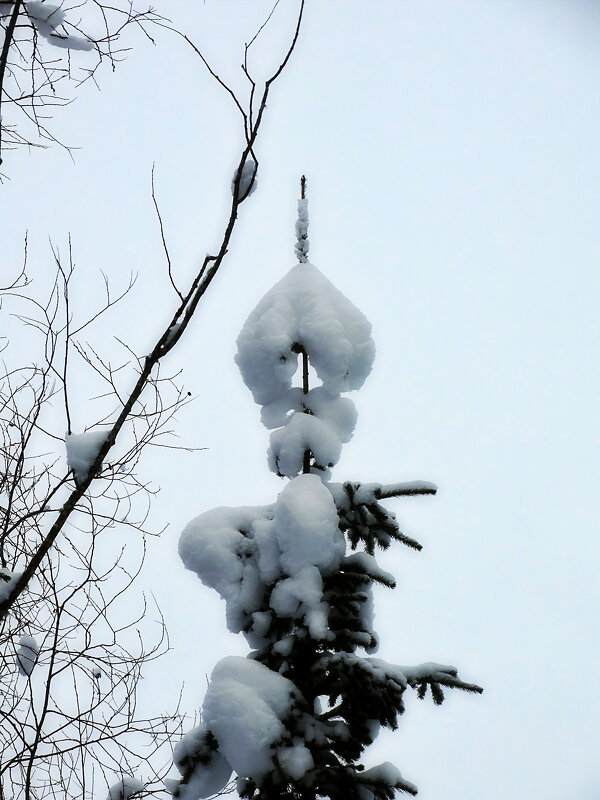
(293, 718)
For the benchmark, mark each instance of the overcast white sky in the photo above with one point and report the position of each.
(452, 155)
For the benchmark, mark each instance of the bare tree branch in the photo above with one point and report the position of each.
(164, 241)
(69, 716)
(46, 44)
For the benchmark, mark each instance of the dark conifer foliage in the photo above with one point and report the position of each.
(294, 718)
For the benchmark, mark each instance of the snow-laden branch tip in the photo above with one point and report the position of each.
(304, 309)
(302, 241)
(385, 774)
(405, 489)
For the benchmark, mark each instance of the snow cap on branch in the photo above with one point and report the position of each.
(245, 708)
(82, 450)
(47, 18)
(248, 181)
(125, 788)
(304, 309)
(27, 654)
(204, 769)
(220, 547)
(286, 548)
(303, 432)
(302, 240)
(305, 314)
(7, 581)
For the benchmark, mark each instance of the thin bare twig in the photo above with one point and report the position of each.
(163, 239)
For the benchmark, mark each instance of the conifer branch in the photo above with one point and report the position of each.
(409, 489)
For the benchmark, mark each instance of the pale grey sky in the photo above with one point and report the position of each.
(452, 155)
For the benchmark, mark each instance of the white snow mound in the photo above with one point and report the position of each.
(125, 788)
(205, 770)
(304, 309)
(241, 552)
(47, 18)
(306, 521)
(303, 432)
(244, 707)
(219, 547)
(82, 450)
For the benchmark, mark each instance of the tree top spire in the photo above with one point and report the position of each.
(302, 240)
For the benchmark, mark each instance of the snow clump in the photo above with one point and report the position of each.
(386, 774)
(27, 654)
(220, 547)
(302, 240)
(7, 581)
(269, 559)
(305, 313)
(296, 760)
(245, 715)
(244, 708)
(47, 18)
(82, 450)
(304, 309)
(125, 788)
(204, 769)
(303, 432)
(248, 180)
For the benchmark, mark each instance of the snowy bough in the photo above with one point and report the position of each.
(294, 717)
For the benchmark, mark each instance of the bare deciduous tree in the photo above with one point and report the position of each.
(72, 650)
(73, 638)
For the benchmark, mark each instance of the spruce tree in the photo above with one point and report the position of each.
(293, 718)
